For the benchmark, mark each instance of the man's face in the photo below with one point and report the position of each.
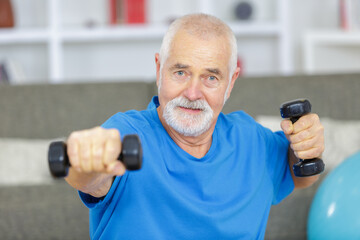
(194, 79)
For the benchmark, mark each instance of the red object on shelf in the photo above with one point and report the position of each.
(6, 14)
(113, 12)
(344, 15)
(135, 11)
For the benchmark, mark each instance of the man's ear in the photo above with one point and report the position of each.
(157, 62)
(233, 79)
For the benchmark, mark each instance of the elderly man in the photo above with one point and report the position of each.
(206, 175)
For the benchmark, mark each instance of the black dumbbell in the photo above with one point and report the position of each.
(131, 156)
(294, 110)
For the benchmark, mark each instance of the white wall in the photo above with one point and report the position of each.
(307, 15)
(261, 54)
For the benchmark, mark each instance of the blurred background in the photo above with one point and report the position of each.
(68, 65)
(53, 41)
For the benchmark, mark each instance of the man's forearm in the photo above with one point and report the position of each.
(95, 184)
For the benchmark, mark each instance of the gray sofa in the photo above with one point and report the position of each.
(34, 206)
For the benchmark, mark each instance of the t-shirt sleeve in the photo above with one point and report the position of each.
(94, 202)
(277, 164)
(100, 209)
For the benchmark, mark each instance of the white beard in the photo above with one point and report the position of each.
(191, 125)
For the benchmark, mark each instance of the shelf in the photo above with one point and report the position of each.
(28, 36)
(55, 43)
(255, 29)
(333, 38)
(156, 32)
(118, 33)
(313, 41)
(133, 32)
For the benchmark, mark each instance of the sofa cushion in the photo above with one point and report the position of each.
(32, 204)
(51, 111)
(24, 162)
(52, 211)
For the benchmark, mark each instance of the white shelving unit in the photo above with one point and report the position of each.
(61, 42)
(16, 36)
(321, 47)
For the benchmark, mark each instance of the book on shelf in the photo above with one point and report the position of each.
(127, 12)
(112, 12)
(349, 12)
(135, 11)
(6, 14)
(120, 18)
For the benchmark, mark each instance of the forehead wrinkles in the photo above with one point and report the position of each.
(213, 49)
(199, 35)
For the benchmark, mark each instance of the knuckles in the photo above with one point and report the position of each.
(114, 134)
(307, 141)
(315, 117)
(98, 152)
(286, 126)
(87, 148)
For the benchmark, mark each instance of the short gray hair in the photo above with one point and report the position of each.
(203, 26)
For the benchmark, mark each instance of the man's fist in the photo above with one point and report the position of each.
(95, 151)
(306, 136)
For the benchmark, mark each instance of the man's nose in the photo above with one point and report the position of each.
(193, 90)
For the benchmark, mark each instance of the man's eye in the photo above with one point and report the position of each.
(212, 78)
(180, 73)
(211, 81)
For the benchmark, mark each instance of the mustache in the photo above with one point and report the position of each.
(188, 124)
(186, 103)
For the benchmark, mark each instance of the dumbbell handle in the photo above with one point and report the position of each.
(294, 110)
(131, 156)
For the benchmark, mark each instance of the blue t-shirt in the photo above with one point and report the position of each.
(227, 194)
